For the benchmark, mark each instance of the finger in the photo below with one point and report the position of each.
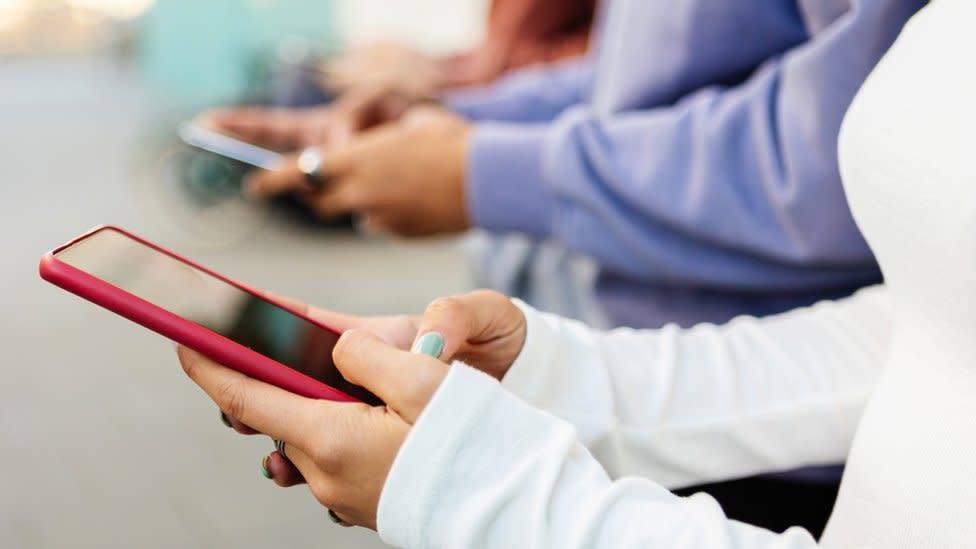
(263, 407)
(403, 380)
(290, 303)
(339, 322)
(398, 330)
(342, 197)
(368, 106)
(277, 127)
(262, 184)
(283, 179)
(223, 119)
(239, 426)
(292, 470)
(284, 473)
(450, 323)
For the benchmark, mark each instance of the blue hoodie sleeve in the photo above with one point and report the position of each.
(537, 94)
(734, 188)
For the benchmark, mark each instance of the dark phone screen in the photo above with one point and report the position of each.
(212, 303)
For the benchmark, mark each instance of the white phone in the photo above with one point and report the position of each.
(228, 147)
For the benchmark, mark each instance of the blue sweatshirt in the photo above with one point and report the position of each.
(692, 154)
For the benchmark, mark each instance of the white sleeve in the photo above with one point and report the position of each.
(685, 407)
(483, 469)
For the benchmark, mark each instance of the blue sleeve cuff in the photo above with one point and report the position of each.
(467, 102)
(505, 185)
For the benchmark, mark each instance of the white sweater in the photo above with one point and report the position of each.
(577, 446)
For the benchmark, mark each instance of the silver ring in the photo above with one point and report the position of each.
(280, 448)
(310, 164)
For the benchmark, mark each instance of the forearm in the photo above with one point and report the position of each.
(714, 402)
(483, 469)
(729, 188)
(536, 94)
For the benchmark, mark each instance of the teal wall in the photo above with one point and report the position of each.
(199, 53)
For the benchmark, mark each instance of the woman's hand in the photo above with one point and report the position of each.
(343, 451)
(291, 129)
(387, 64)
(407, 177)
(483, 329)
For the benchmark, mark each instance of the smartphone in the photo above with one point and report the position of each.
(225, 320)
(228, 147)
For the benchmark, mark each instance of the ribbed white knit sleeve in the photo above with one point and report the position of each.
(483, 469)
(684, 407)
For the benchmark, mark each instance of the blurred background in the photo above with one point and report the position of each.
(103, 441)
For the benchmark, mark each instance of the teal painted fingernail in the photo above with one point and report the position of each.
(264, 467)
(430, 344)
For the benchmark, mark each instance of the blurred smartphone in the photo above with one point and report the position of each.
(214, 315)
(228, 147)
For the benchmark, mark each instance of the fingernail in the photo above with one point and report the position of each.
(264, 467)
(430, 344)
(223, 418)
(334, 517)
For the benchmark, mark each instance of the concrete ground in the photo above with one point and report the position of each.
(103, 441)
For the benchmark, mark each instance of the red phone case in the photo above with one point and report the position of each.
(181, 330)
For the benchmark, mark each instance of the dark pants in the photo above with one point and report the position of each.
(773, 503)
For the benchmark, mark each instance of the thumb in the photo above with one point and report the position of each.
(404, 381)
(288, 177)
(269, 183)
(451, 323)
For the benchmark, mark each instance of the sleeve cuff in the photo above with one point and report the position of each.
(455, 479)
(505, 185)
(413, 485)
(525, 375)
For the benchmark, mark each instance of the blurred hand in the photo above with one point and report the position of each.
(291, 129)
(407, 177)
(274, 128)
(387, 64)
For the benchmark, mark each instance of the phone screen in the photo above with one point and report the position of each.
(229, 147)
(202, 298)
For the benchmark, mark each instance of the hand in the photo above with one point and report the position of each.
(282, 129)
(483, 329)
(385, 64)
(291, 129)
(407, 177)
(344, 451)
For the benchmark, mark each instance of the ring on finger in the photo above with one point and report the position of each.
(280, 448)
(310, 164)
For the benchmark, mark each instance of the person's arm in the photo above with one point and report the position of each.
(710, 403)
(535, 94)
(729, 188)
(481, 468)
(522, 33)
